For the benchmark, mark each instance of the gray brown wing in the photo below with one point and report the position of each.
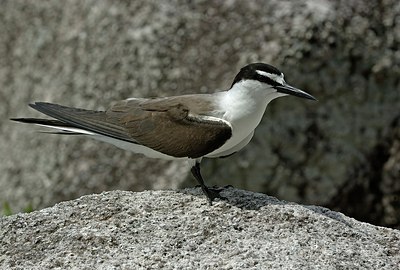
(168, 129)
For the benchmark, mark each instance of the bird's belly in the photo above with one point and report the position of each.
(221, 152)
(136, 148)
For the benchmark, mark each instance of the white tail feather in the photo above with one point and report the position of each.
(69, 129)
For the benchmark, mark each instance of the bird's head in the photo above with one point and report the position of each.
(264, 77)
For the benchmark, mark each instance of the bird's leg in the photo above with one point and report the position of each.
(210, 193)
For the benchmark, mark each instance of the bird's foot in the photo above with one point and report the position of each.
(214, 193)
(219, 189)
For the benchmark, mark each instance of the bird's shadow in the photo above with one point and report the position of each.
(248, 200)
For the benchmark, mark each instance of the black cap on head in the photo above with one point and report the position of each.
(249, 73)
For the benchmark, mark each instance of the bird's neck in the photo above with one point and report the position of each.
(244, 105)
(247, 99)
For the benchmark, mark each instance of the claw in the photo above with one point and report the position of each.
(213, 193)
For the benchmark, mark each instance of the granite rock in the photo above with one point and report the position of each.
(180, 230)
(88, 53)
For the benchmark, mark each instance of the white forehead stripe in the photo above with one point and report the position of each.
(278, 78)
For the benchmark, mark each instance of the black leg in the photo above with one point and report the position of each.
(210, 193)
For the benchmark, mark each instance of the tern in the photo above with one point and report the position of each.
(190, 127)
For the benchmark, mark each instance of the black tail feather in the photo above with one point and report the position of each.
(79, 119)
(39, 121)
(60, 132)
(88, 120)
(49, 123)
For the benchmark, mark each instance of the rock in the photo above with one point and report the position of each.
(373, 188)
(86, 54)
(390, 185)
(179, 230)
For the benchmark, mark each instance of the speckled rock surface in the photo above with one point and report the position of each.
(179, 230)
(87, 53)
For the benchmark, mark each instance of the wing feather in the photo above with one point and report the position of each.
(167, 126)
(94, 121)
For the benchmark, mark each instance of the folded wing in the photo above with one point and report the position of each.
(167, 127)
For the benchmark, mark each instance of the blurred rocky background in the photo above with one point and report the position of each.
(342, 152)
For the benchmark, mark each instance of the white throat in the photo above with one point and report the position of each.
(244, 106)
(247, 101)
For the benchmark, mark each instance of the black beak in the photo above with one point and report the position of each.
(290, 90)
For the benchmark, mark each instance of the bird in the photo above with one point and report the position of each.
(185, 127)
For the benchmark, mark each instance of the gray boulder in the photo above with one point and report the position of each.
(88, 53)
(179, 230)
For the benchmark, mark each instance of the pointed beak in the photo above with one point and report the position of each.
(290, 90)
